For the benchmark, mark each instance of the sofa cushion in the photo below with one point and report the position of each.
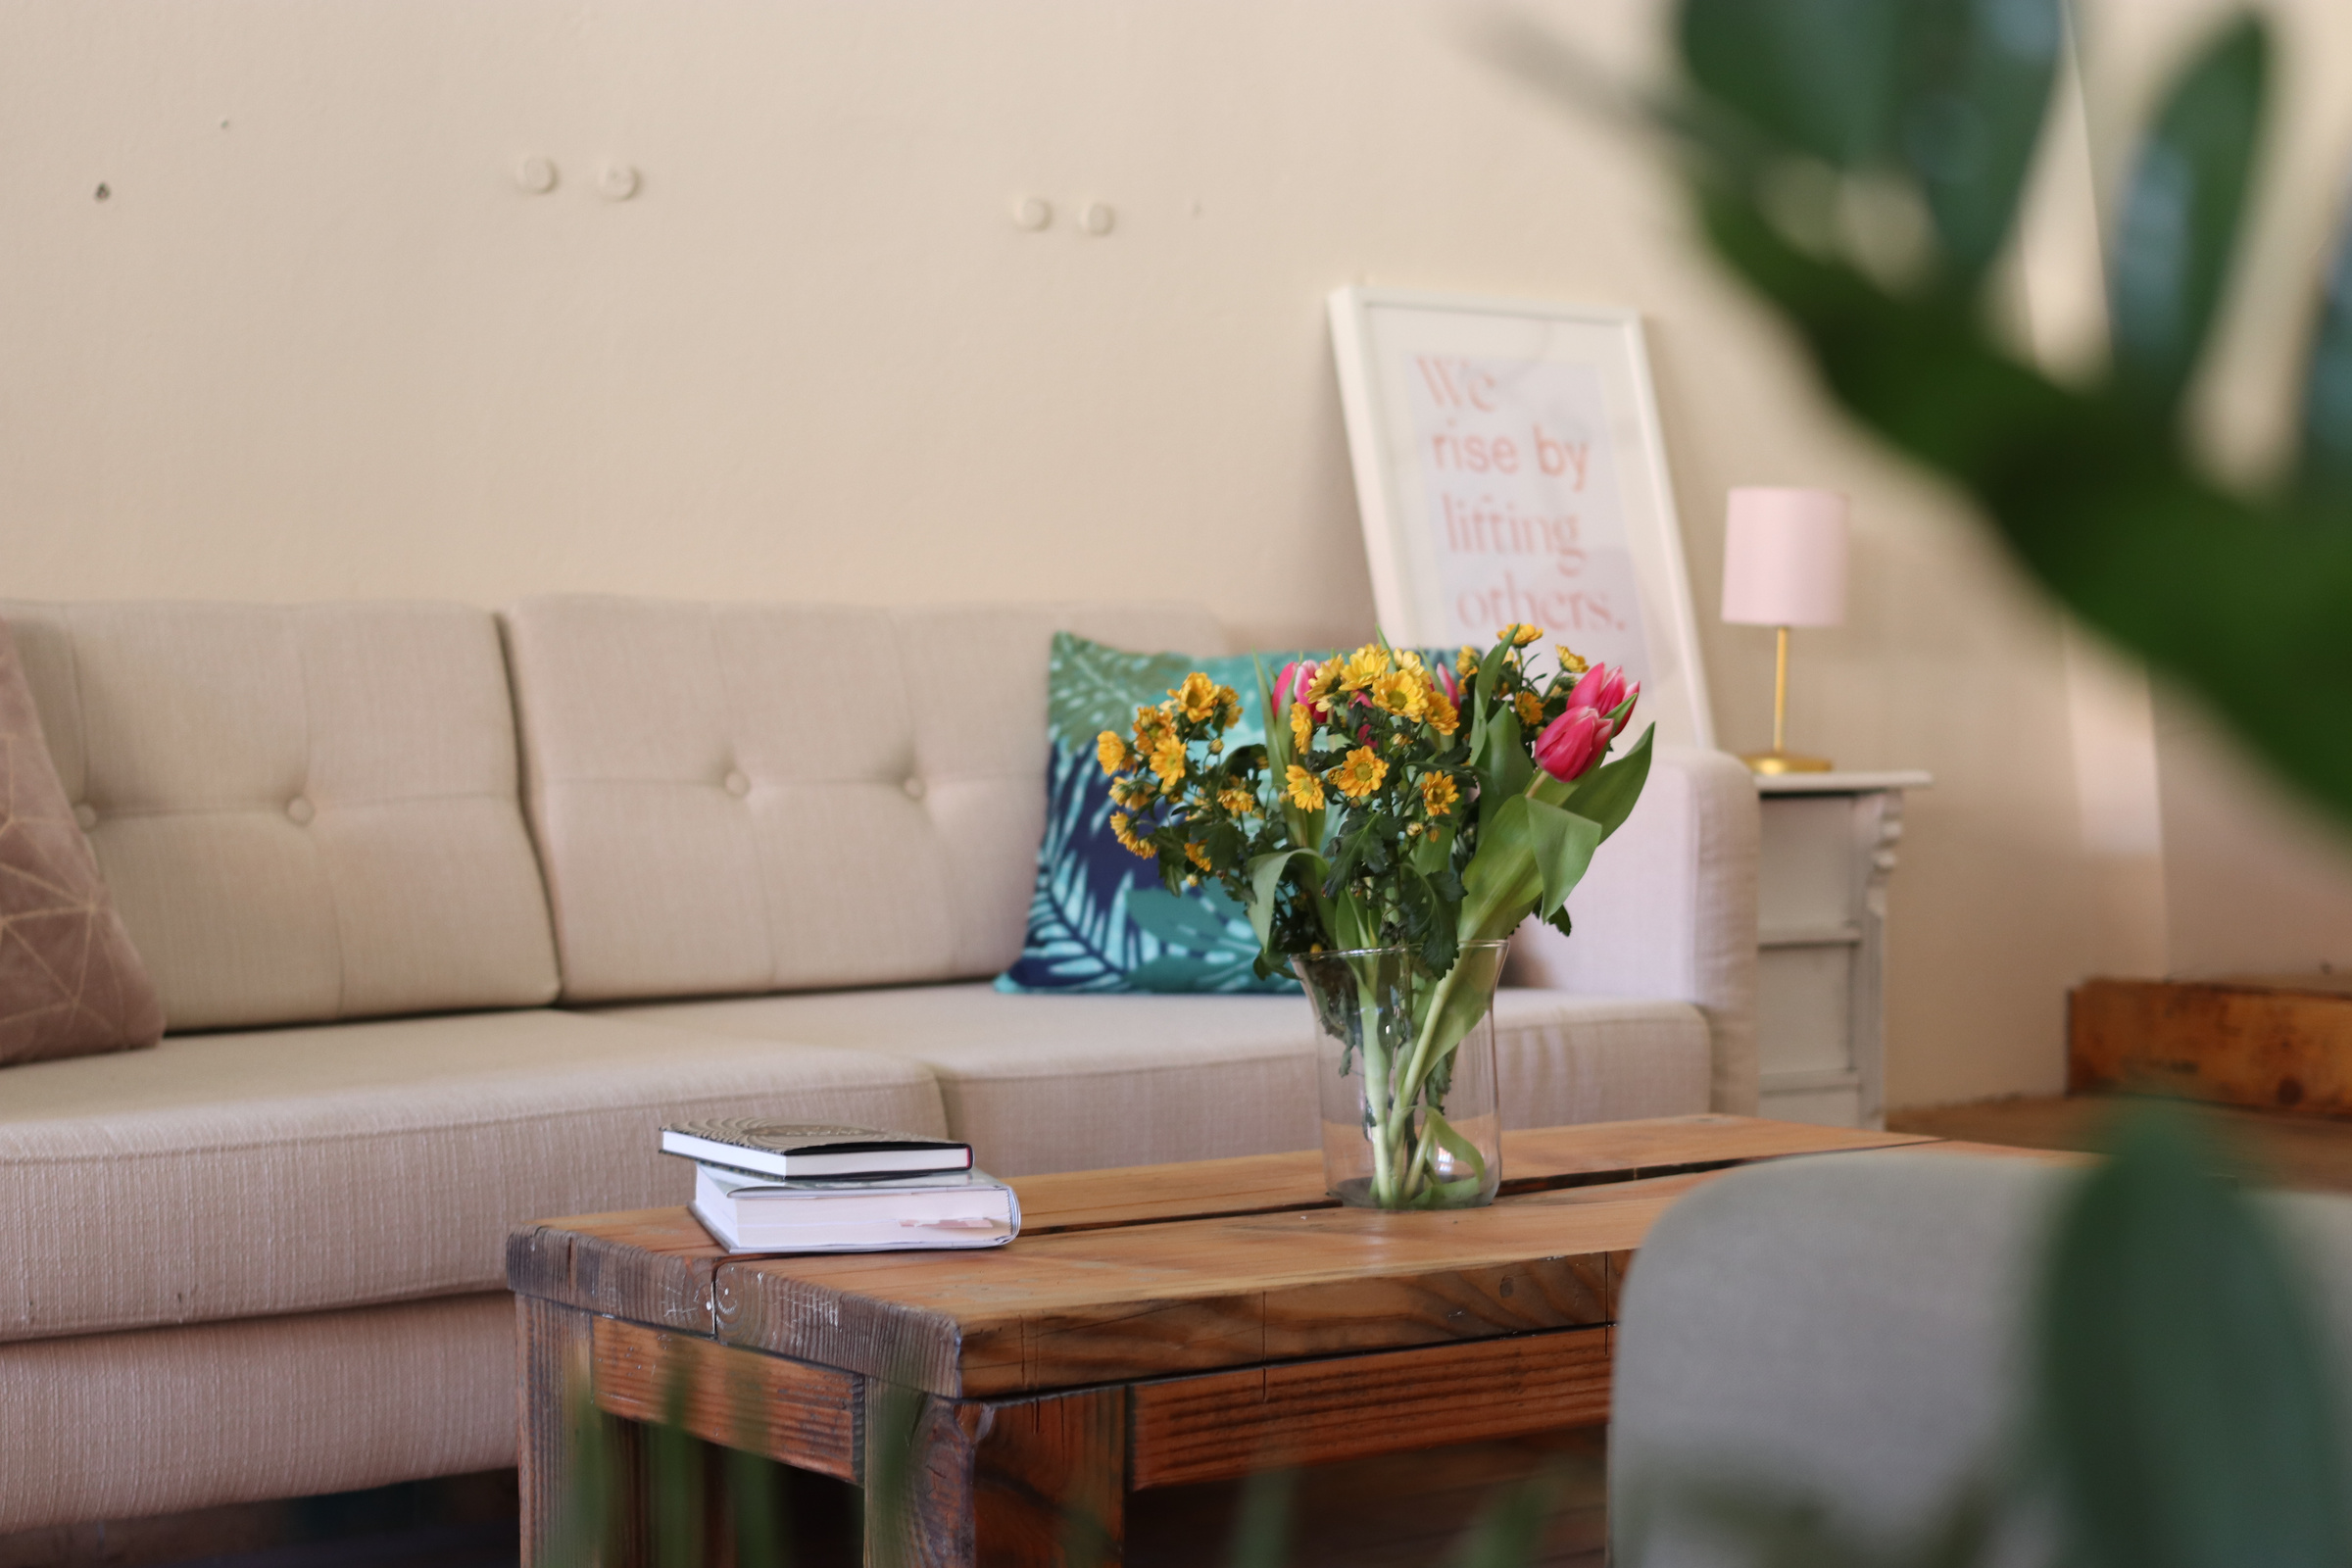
(304, 813)
(1078, 1081)
(750, 797)
(225, 1176)
(71, 983)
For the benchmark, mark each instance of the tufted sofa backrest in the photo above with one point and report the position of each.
(304, 813)
(743, 798)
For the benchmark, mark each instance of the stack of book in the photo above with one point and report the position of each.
(779, 1186)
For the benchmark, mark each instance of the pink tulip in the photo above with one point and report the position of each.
(1602, 688)
(1450, 683)
(1292, 684)
(1573, 742)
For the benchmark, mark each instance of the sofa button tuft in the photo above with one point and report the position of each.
(738, 785)
(86, 816)
(914, 788)
(301, 810)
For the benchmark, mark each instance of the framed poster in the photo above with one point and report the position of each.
(1509, 468)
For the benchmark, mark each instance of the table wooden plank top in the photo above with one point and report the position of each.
(1159, 1270)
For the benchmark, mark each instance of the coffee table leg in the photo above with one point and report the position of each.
(1022, 1484)
(552, 1351)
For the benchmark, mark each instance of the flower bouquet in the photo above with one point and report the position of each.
(1403, 815)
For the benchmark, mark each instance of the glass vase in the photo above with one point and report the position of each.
(1406, 1076)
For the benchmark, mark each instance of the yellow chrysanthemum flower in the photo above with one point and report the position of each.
(1571, 662)
(1438, 793)
(1364, 666)
(1302, 726)
(1237, 801)
(1197, 698)
(1403, 692)
(1304, 789)
(1111, 752)
(1360, 774)
(1125, 832)
(1530, 707)
(1465, 663)
(1150, 724)
(1228, 708)
(1167, 760)
(1197, 855)
(1519, 634)
(1444, 716)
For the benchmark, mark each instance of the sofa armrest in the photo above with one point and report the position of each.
(1668, 911)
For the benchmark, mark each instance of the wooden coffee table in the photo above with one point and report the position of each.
(1151, 1326)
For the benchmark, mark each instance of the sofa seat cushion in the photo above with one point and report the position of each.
(1080, 1081)
(226, 1176)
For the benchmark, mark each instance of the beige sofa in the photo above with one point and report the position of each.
(450, 912)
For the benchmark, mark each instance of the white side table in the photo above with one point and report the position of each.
(1827, 851)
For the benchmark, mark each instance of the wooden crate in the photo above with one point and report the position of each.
(2267, 1042)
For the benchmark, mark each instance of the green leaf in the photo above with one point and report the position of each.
(2184, 1394)
(1530, 859)
(1351, 927)
(1502, 881)
(1819, 75)
(1978, 86)
(1505, 766)
(2180, 220)
(1563, 844)
(2325, 474)
(1265, 886)
(1608, 794)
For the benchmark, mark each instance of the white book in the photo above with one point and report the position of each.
(797, 1150)
(747, 1214)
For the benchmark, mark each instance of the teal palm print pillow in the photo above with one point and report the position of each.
(1099, 920)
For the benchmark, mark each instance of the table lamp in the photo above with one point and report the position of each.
(1784, 565)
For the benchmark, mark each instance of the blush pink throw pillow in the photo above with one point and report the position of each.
(71, 983)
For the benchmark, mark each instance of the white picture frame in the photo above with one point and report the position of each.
(1509, 467)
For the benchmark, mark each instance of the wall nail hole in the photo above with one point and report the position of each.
(103, 191)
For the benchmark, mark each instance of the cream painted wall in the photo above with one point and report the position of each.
(317, 343)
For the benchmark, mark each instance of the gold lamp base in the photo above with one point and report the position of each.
(1784, 763)
(1781, 759)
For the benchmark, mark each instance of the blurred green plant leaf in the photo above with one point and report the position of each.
(1508, 1532)
(2325, 475)
(1976, 92)
(674, 1475)
(2186, 1396)
(1819, 74)
(1262, 1524)
(2180, 220)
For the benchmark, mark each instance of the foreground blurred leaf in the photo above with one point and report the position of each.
(1819, 75)
(1261, 1525)
(1508, 1530)
(2325, 477)
(674, 1476)
(2097, 499)
(2184, 1394)
(1976, 89)
(2180, 220)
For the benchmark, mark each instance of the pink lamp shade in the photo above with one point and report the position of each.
(1783, 558)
